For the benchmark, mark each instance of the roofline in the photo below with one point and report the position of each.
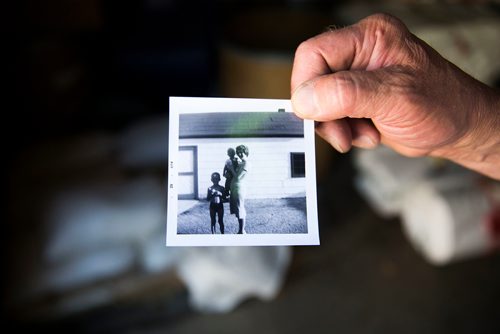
(271, 135)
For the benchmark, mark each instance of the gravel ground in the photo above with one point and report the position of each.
(286, 215)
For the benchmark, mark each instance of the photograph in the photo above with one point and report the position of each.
(241, 172)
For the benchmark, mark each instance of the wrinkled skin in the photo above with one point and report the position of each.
(375, 82)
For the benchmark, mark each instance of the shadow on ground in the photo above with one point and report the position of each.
(276, 216)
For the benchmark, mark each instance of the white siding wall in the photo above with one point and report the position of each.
(270, 176)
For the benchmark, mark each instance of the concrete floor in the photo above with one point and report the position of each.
(364, 278)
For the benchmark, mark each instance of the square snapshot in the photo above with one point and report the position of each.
(241, 173)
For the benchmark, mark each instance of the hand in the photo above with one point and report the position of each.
(375, 82)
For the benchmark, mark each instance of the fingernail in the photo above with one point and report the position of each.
(333, 141)
(337, 147)
(365, 142)
(303, 101)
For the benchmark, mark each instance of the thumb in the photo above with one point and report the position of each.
(353, 94)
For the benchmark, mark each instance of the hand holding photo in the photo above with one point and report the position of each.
(241, 173)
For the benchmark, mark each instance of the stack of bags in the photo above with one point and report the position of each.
(448, 213)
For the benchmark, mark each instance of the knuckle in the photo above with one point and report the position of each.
(343, 92)
(304, 49)
(389, 36)
(386, 28)
(387, 21)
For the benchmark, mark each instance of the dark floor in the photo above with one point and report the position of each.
(364, 278)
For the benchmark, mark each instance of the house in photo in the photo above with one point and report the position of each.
(276, 152)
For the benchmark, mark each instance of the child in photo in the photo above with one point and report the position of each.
(215, 194)
(229, 171)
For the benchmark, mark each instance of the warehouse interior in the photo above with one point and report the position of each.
(85, 178)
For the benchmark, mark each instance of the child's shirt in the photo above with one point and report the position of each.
(214, 193)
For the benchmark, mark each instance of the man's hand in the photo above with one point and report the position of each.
(376, 82)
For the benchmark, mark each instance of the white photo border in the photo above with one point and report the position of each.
(181, 105)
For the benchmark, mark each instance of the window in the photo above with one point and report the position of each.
(298, 164)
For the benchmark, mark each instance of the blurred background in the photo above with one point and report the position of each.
(407, 245)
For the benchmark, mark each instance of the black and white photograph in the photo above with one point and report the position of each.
(241, 172)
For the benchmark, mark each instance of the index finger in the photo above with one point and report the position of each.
(322, 54)
(366, 45)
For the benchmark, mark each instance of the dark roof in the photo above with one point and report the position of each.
(240, 124)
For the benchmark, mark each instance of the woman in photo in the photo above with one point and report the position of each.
(238, 188)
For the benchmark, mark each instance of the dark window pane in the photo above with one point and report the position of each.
(298, 164)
